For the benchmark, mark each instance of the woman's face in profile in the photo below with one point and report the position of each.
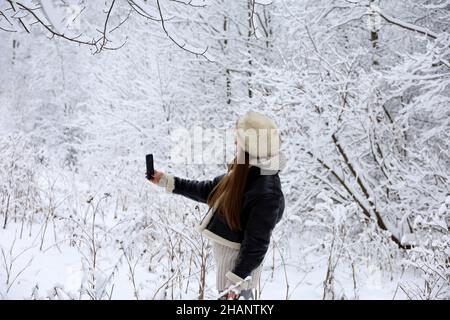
(239, 152)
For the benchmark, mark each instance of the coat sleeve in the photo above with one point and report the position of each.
(193, 189)
(265, 212)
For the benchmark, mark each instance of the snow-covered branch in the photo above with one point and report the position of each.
(405, 25)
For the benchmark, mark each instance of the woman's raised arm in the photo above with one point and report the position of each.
(192, 189)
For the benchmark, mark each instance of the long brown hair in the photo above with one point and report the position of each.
(228, 193)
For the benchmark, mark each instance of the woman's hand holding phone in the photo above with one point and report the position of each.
(156, 177)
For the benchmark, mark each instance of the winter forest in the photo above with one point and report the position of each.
(360, 90)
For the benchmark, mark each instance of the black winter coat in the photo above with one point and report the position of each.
(262, 208)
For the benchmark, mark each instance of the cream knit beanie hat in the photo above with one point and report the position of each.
(258, 135)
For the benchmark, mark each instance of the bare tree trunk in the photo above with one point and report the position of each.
(15, 45)
(250, 4)
(373, 35)
(227, 70)
(268, 27)
(6, 212)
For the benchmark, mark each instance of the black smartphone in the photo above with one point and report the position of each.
(150, 168)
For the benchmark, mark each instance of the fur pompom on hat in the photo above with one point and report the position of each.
(258, 135)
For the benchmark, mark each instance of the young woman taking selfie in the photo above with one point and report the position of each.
(245, 204)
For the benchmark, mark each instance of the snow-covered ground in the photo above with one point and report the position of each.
(56, 272)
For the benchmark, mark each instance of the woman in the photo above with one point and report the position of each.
(245, 205)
